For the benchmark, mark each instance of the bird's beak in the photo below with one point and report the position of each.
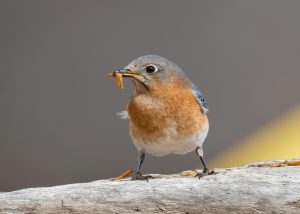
(138, 78)
(126, 73)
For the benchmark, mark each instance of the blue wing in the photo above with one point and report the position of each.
(200, 99)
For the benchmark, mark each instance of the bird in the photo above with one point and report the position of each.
(167, 112)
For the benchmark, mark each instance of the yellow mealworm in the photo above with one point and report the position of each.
(124, 175)
(119, 80)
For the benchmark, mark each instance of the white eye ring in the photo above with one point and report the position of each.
(151, 69)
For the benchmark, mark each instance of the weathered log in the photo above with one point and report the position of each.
(257, 188)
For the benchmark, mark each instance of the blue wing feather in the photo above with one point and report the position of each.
(200, 98)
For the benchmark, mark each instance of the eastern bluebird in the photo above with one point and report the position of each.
(167, 113)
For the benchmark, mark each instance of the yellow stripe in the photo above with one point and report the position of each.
(278, 140)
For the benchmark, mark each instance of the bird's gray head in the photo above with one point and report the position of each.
(151, 71)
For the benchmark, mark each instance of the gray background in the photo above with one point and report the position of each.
(57, 108)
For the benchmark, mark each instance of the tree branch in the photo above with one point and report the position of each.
(272, 187)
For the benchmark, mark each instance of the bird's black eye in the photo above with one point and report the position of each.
(150, 69)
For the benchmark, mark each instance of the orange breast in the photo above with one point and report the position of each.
(152, 113)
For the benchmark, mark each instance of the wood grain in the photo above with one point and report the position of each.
(255, 188)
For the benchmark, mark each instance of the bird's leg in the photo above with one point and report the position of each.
(138, 174)
(205, 171)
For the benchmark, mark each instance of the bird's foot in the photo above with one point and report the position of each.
(139, 176)
(204, 173)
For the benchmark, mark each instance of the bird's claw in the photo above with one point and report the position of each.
(204, 173)
(139, 176)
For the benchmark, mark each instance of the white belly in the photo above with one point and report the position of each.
(170, 144)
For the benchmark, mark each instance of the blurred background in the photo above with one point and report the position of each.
(57, 107)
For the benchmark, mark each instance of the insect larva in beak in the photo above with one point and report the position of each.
(120, 80)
